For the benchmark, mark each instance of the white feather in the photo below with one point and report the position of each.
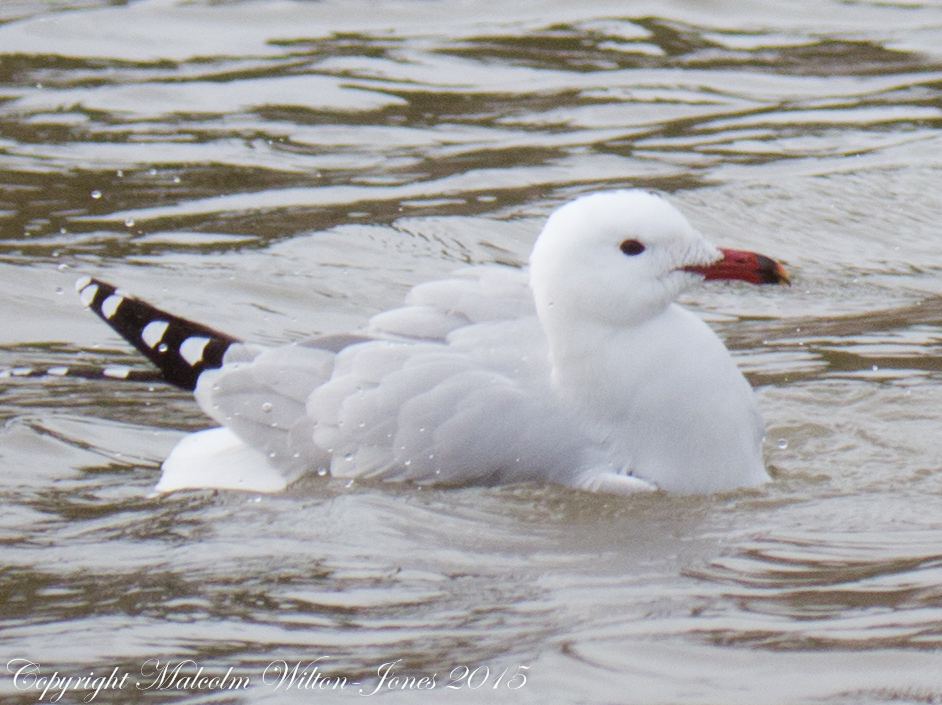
(218, 459)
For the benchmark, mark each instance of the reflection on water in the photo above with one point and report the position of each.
(277, 169)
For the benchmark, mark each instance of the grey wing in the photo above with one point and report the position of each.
(260, 394)
(455, 390)
(473, 295)
(442, 413)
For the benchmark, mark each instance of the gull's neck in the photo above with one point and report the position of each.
(594, 361)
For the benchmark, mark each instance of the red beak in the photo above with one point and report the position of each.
(745, 266)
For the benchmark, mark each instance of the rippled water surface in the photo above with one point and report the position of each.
(277, 169)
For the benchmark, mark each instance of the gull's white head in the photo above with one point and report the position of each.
(615, 258)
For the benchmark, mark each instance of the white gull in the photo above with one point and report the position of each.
(582, 371)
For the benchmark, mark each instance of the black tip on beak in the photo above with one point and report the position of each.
(771, 272)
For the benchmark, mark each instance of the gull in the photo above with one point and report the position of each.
(580, 370)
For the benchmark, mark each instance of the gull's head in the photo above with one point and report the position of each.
(619, 258)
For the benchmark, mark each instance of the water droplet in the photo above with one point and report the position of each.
(119, 174)
(266, 407)
(176, 179)
(96, 194)
(129, 222)
(152, 171)
(272, 454)
(63, 231)
(162, 348)
(321, 472)
(62, 267)
(407, 463)
(782, 443)
(348, 457)
(60, 291)
(875, 368)
(362, 424)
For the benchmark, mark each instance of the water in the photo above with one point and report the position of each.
(277, 169)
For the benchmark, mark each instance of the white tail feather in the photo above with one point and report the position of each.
(217, 459)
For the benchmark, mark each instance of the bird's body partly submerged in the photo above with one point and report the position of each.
(581, 372)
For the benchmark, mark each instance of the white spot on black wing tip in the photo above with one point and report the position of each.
(110, 306)
(192, 349)
(82, 282)
(88, 294)
(153, 333)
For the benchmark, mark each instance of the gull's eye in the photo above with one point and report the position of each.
(631, 247)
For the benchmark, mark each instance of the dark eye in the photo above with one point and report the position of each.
(631, 247)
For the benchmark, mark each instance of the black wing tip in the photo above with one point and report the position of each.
(118, 372)
(180, 348)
